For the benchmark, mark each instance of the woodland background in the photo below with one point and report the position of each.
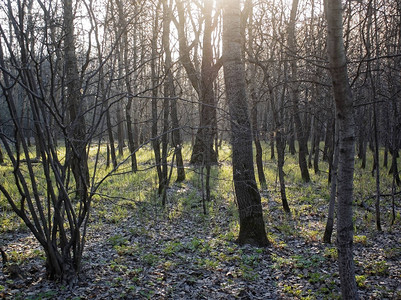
(119, 139)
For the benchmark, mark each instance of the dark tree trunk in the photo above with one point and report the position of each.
(111, 145)
(291, 138)
(203, 84)
(280, 143)
(328, 140)
(254, 108)
(107, 156)
(1, 157)
(206, 131)
(155, 83)
(77, 136)
(128, 85)
(120, 129)
(272, 138)
(252, 226)
(300, 130)
(175, 135)
(316, 149)
(395, 142)
(333, 190)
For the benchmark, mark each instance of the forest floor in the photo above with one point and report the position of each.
(138, 250)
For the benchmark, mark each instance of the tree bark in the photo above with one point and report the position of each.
(252, 227)
(345, 119)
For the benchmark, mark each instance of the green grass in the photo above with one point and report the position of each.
(126, 197)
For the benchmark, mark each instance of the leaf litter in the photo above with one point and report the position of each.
(179, 253)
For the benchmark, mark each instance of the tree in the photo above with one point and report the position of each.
(123, 25)
(255, 100)
(252, 227)
(294, 88)
(77, 142)
(43, 200)
(1, 157)
(203, 151)
(170, 89)
(333, 191)
(345, 120)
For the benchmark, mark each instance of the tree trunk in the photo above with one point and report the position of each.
(254, 108)
(77, 135)
(175, 134)
(316, 148)
(333, 190)
(203, 84)
(291, 137)
(345, 119)
(252, 227)
(206, 131)
(1, 157)
(280, 144)
(155, 82)
(128, 85)
(328, 140)
(294, 88)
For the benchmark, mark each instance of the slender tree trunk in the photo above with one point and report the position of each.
(130, 92)
(1, 157)
(395, 140)
(300, 130)
(175, 135)
(371, 10)
(280, 144)
(104, 94)
(291, 137)
(254, 108)
(345, 119)
(312, 152)
(316, 149)
(164, 181)
(328, 140)
(333, 191)
(252, 226)
(77, 138)
(155, 81)
(110, 136)
(120, 126)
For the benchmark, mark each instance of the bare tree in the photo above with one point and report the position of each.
(294, 88)
(254, 98)
(345, 120)
(252, 226)
(170, 89)
(43, 200)
(77, 142)
(202, 81)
